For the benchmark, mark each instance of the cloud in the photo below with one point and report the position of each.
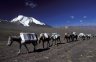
(72, 17)
(68, 21)
(81, 21)
(30, 3)
(84, 16)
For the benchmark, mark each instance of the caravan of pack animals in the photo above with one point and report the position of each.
(54, 38)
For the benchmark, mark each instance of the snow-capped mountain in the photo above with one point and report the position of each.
(26, 21)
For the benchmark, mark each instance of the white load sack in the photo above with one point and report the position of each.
(27, 37)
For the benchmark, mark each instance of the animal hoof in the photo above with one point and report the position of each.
(18, 53)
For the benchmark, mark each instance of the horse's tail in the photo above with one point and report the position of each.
(8, 40)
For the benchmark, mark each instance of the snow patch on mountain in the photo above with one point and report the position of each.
(27, 20)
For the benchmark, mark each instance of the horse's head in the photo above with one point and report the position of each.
(9, 41)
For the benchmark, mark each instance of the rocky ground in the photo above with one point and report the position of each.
(79, 51)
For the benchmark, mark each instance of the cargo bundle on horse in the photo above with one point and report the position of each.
(55, 37)
(23, 39)
(44, 37)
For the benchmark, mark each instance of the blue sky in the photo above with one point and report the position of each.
(52, 12)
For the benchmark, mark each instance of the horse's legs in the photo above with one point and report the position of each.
(67, 40)
(55, 42)
(72, 39)
(19, 49)
(34, 44)
(34, 47)
(59, 40)
(76, 38)
(26, 48)
(52, 42)
(83, 37)
(48, 44)
(43, 44)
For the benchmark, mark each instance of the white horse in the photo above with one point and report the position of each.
(82, 36)
(44, 37)
(88, 36)
(23, 39)
(55, 37)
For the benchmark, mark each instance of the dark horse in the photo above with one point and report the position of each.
(44, 37)
(88, 36)
(73, 37)
(11, 39)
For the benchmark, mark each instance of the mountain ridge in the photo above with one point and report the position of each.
(26, 21)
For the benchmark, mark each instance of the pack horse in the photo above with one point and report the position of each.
(44, 37)
(23, 39)
(55, 37)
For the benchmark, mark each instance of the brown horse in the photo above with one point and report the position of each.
(67, 37)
